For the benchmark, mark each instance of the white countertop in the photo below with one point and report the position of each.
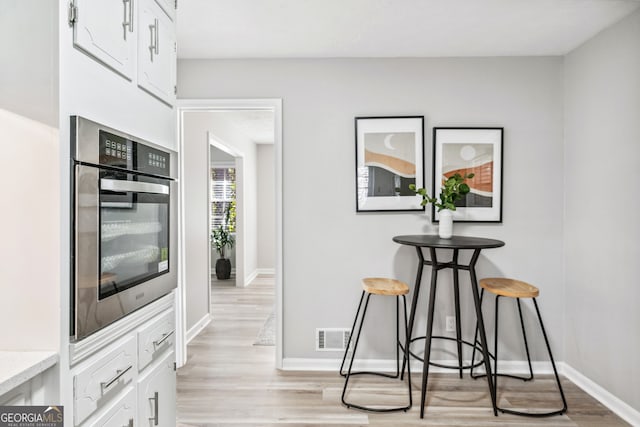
(17, 367)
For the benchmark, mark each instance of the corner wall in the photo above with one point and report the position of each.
(602, 231)
(328, 247)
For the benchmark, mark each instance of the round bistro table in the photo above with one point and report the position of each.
(456, 244)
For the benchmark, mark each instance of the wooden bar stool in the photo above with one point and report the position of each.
(510, 288)
(385, 287)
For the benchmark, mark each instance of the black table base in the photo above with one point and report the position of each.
(456, 244)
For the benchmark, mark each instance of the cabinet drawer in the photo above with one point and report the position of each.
(156, 338)
(121, 414)
(102, 379)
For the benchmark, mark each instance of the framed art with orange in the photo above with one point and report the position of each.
(476, 150)
(389, 158)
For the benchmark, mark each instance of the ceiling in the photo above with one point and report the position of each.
(256, 125)
(390, 28)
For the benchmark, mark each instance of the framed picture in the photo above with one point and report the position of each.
(470, 150)
(389, 157)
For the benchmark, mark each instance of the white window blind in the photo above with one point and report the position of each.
(223, 197)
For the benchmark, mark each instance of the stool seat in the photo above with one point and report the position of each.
(509, 287)
(384, 286)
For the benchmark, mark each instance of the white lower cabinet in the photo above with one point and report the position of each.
(129, 382)
(157, 394)
(19, 396)
(120, 414)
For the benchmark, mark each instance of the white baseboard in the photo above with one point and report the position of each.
(270, 271)
(198, 327)
(615, 404)
(389, 365)
(248, 279)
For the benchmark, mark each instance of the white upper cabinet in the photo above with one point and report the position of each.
(169, 6)
(156, 51)
(105, 30)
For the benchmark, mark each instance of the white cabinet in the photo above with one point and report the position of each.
(103, 378)
(120, 414)
(105, 30)
(156, 51)
(157, 394)
(169, 6)
(19, 396)
(128, 379)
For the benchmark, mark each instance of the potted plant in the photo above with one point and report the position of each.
(221, 239)
(453, 189)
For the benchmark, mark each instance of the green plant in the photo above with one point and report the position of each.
(221, 237)
(454, 189)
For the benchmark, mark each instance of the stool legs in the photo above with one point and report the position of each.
(526, 346)
(349, 371)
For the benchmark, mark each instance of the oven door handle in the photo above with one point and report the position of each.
(134, 186)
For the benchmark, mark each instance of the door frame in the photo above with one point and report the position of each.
(202, 105)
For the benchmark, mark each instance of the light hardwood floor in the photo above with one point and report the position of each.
(228, 381)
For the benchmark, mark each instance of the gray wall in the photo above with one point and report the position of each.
(328, 247)
(602, 232)
(266, 207)
(196, 218)
(29, 59)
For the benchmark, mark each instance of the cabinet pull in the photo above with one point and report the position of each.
(127, 23)
(157, 36)
(165, 336)
(155, 408)
(119, 373)
(130, 423)
(153, 31)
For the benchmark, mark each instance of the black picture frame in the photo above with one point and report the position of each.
(389, 157)
(471, 149)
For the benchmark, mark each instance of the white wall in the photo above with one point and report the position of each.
(328, 247)
(602, 232)
(266, 207)
(29, 59)
(30, 249)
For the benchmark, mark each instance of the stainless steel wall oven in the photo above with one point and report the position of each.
(123, 223)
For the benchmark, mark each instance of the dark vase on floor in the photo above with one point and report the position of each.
(223, 268)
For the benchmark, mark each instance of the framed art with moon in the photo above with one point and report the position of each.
(389, 157)
(476, 150)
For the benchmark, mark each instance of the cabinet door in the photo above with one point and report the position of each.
(156, 52)
(157, 395)
(169, 6)
(104, 30)
(121, 414)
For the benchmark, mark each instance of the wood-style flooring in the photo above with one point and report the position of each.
(228, 381)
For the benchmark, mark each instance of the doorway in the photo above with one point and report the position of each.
(246, 268)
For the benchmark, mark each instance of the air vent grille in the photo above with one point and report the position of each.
(332, 339)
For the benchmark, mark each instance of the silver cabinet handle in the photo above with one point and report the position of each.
(134, 186)
(153, 32)
(119, 373)
(155, 408)
(127, 23)
(165, 337)
(152, 45)
(130, 423)
(157, 36)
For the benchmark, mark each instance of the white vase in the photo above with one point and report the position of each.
(445, 230)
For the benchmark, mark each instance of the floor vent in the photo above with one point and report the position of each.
(332, 339)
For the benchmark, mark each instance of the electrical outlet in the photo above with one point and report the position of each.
(450, 324)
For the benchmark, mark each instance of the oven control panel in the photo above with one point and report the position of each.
(116, 151)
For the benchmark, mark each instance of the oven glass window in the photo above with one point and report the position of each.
(134, 239)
